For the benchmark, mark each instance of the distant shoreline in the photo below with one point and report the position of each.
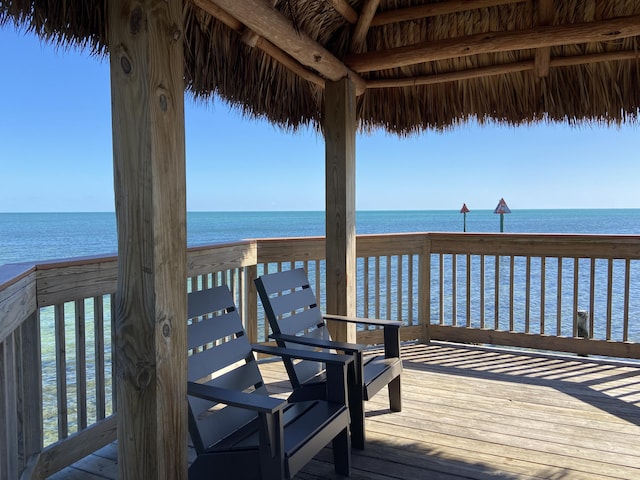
(363, 210)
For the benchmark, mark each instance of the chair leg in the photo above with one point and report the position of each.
(395, 400)
(342, 453)
(356, 411)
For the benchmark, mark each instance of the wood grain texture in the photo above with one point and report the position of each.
(254, 40)
(17, 303)
(483, 413)
(147, 88)
(491, 42)
(340, 200)
(359, 35)
(434, 9)
(274, 27)
(344, 9)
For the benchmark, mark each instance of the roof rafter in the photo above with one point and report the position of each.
(344, 9)
(502, 69)
(493, 42)
(546, 12)
(254, 40)
(359, 36)
(276, 28)
(434, 9)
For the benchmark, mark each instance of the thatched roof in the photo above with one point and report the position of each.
(417, 65)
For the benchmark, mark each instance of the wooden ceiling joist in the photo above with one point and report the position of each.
(344, 9)
(434, 9)
(359, 36)
(494, 42)
(452, 76)
(254, 40)
(503, 69)
(277, 29)
(546, 12)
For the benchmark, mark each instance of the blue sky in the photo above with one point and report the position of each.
(56, 154)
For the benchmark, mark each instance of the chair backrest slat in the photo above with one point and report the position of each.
(204, 331)
(293, 300)
(291, 308)
(203, 302)
(218, 358)
(285, 280)
(289, 301)
(299, 322)
(225, 361)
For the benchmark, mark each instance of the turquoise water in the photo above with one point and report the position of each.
(45, 236)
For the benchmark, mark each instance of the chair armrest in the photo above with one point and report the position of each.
(391, 331)
(258, 403)
(319, 343)
(303, 354)
(365, 321)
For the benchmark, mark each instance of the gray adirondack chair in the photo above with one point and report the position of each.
(296, 321)
(238, 431)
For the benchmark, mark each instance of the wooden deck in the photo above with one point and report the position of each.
(483, 413)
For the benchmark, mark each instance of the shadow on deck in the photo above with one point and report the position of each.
(483, 413)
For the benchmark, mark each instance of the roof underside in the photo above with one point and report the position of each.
(417, 65)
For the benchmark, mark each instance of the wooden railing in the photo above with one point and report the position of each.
(56, 392)
(526, 291)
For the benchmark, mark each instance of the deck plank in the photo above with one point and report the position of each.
(482, 413)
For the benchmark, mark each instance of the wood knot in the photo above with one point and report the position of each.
(125, 64)
(163, 102)
(175, 32)
(143, 379)
(136, 20)
(166, 330)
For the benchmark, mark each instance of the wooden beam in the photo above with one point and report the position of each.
(344, 9)
(359, 37)
(274, 52)
(340, 160)
(546, 12)
(452, 76)
(277, 29)
(493, 42)
(218, 13)
(147, 90)
(435, 9)
(503, 69)
(254, 40)
(595, 58)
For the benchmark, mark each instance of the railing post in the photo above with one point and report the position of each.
(21, 401)
(251, 303)
(30, 379)
(424, 289)
(9, 423)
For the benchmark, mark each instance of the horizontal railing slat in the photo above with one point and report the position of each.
(537, 245)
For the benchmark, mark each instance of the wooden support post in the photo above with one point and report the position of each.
(340, 160)
(147, 88)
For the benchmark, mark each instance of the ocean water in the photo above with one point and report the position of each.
(46, 236)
